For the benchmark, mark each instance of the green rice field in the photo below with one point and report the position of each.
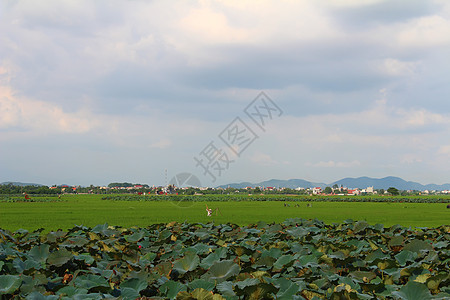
(90, 210)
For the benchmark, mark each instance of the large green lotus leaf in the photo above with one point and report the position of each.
(413, 291)
(76, 241)
(59, 257)
(247, 282)
(360, 245)
(28, 284)
(105, 230)
(129, 293)
(90, 296)
(198, 294)
(260, 291)
(339, 255)
(273, 252)
(378, 227)
(222, 270)
(172, 288)
(377, 254)
(39, 296)
(265, 262)
(396, 240)
(135, 237)
(86, 257)
(362, 276)
(282, 261)
(40, 253)
(134, 283)
(441, 244)
(201, 283)
(102, 271)
(286, 288)
(202, 294)
(226, 288)
(188, 263)
(360, 226)
(418, 246)
(9, 284)
(298, 232)
(89, 281)
(19, 265)
(70, 291)
(100, 227)
(405, 256)
(32, 264)
(211, 259)
(200, 248)
(53, 236)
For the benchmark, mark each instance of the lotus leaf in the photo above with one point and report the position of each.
(418, 246)
(172, 288)
(201, 283)
(405, 256)
(90, 281)
(412, 291)
(297, 259)
(188, 263)
(59, 257)
(129, 293)
(40, 253)
(222, 270)
(9, 284)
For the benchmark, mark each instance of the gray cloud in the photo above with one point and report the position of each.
(130, 79)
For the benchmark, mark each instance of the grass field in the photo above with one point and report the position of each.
(90, 210)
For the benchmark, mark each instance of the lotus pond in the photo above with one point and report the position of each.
(295, 259)
(128, 210)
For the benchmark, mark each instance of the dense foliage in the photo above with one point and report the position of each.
(298, 259)
(186, 198)
(29, 189)
(33, 198)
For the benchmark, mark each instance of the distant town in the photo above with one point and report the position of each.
(143, 189)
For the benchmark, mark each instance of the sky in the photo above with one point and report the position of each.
(93, 92)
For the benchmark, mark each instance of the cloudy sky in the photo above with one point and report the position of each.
(93, 92)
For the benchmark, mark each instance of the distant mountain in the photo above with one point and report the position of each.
(278, 183)
(360, 182)
(20, 183)
(387, 182)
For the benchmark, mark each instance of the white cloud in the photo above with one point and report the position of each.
(428, 31)
(395, 67)
(444, 150)
(161, 144)
(263, 159)
(335, 164)
(40, 116)
(410, 158)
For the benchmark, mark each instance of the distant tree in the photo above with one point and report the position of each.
(393, 191)
(327, 190)
(335, 186)
(120, 184)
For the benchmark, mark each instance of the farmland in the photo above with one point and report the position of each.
(52, 213)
